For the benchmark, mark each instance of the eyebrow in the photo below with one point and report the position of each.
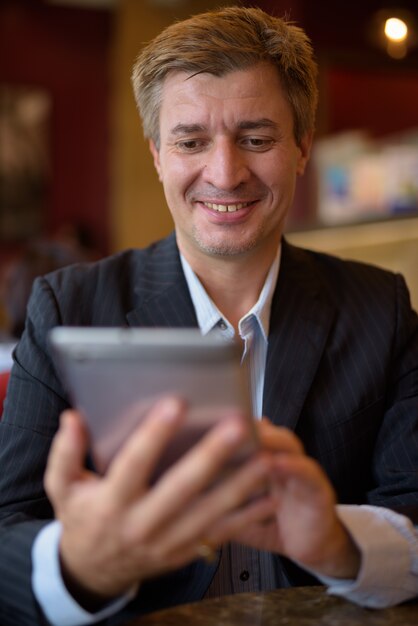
(263, 122)
(189, 129)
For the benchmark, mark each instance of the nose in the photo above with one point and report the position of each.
(225, 165)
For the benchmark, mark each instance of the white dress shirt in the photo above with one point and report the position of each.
(388, 542)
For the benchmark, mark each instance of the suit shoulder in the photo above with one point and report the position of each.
(331, 268)
(86, 274)
(117, 268)
(95, 293)
(349, 283)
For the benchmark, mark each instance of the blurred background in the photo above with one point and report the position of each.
(74, 166)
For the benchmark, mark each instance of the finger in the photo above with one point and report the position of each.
(256, 514)
(301, 476)
(188, 478)
(66, 458)
(252, 520)
(132, 468)
(233, 492)
(278, 438)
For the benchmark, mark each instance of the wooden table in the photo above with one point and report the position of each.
(303, 606)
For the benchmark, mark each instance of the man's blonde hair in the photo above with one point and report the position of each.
(222, 41)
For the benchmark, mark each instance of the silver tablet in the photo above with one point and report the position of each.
(114, 375)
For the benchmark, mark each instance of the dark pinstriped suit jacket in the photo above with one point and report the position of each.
(342, 371)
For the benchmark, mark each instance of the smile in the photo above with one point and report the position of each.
(226, 208)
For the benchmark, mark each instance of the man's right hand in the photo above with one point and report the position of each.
(117, 529)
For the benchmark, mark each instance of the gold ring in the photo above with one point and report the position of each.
(207, 551)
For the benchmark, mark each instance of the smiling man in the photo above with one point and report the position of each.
(228, 101)
(228, 161)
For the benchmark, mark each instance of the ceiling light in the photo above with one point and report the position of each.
(396, 29)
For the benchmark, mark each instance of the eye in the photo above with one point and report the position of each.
(190, 145)
(258, 144)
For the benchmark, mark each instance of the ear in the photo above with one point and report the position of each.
(304, 152)
(156, 157)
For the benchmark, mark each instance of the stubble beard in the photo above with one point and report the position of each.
(227, 246)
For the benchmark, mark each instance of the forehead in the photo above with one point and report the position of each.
(256, 91)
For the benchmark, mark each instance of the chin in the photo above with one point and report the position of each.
(226, 248)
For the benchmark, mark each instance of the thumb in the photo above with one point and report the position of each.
(66, 458)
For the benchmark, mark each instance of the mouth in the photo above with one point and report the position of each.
(227, 208)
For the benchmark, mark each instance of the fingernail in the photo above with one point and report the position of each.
(170, 408)
(65, 419)
(232, 432)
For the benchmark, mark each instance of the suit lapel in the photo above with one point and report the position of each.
(161, 293)
(301, 317)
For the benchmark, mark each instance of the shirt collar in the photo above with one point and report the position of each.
(208, 314)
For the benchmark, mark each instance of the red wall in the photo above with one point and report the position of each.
(380, 102)
(66, 52)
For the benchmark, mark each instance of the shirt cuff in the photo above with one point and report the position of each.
(58, 605)
(388, 543)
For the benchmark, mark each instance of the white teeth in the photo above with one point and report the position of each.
(223, 208)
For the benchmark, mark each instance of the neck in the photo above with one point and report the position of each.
(234, 284)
